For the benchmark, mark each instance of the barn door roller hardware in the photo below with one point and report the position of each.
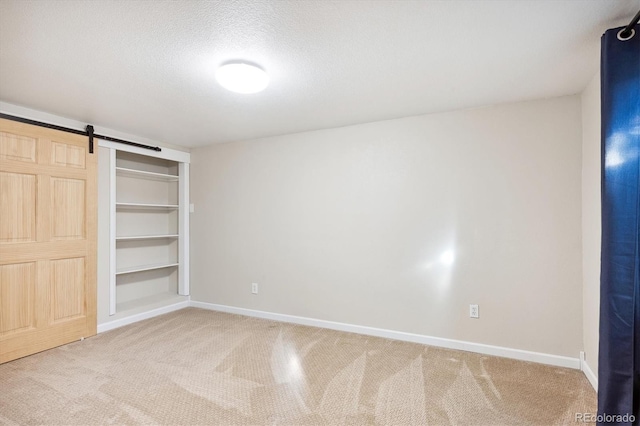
(87, 132)
(90, 134)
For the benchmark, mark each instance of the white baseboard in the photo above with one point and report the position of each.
(588, 372)
(542, 358)
(141, 316)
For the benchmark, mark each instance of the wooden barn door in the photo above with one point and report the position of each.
(47, 239)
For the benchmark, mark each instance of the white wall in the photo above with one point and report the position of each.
(351, 224)
(591, 220)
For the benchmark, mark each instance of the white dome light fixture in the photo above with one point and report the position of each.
(240, 77)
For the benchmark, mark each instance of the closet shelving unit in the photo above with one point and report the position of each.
(149, 226)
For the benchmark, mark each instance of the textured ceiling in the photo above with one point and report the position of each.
(147, 68)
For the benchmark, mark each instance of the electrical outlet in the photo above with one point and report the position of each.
(474, 312)
(254, 288)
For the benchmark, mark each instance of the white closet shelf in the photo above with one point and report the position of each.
(145, 268)
(153, 301)
(123, 171)
(145, 206)
(148, 234)
(146, 237)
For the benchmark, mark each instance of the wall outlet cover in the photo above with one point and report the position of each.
(474, 312)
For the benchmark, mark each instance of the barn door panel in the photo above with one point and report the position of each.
(48, 236)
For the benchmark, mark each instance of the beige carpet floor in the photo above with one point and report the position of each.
(197, 367)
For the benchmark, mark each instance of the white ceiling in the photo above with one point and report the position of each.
(147, 68)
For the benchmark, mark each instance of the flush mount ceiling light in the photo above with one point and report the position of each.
(242, 78)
